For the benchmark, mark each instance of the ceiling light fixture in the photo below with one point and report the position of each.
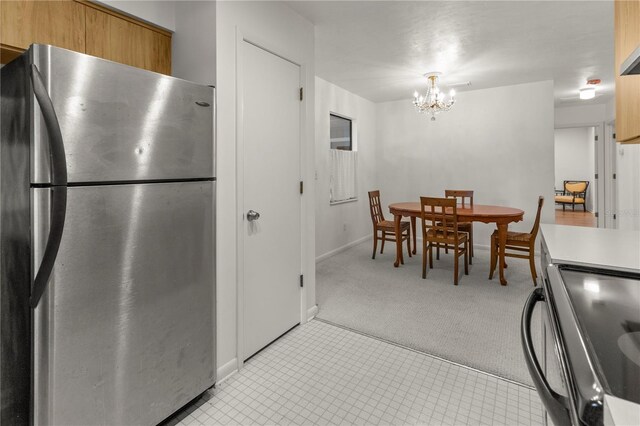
(589, 92)
(434, 101)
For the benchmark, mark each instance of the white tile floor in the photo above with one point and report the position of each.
(323, 374)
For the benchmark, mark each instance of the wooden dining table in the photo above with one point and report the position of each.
(501, 216)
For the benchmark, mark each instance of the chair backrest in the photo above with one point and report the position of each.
(439, 215)
(462, 195)
(536, 224)
(375, 207)
(576, 186)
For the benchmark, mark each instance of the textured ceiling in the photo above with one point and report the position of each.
(380, 49)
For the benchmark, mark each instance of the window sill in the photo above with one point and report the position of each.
(335, 203)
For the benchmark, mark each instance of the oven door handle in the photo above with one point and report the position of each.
(557, 406)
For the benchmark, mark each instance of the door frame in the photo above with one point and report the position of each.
(260, 42)
(611, 182)
(600, 167)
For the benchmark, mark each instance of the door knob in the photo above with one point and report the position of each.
(252, 215)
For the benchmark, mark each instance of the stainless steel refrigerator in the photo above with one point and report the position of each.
(107, 270)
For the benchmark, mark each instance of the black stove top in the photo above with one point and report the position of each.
(607, 308)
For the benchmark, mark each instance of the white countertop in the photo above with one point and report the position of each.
(596, 247)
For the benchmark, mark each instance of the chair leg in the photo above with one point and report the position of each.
(471, 246)
(375, 244)
(430, 256)
(563, 206)
(467, 258)
(413, 231)
(384, 237)
(573, 207)
(409, 241)
(437, 251)
(446, 249)
(584, 207)
(424, 260)
(494, 256)
(532, 265)
(455, 267)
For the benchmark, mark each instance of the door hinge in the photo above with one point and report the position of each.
(301, 187)
(596, 137)
(301, 93)
(596, 176)
(301, 280)
(596, 214)
(614, 175)
(614, 136)
(614, 216)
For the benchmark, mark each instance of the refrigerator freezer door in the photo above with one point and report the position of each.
(121, 123)
(124, 333)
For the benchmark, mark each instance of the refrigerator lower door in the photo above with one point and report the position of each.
(124, 333)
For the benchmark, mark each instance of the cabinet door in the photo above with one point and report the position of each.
(627, 38)
(59, 23)
(119, 40)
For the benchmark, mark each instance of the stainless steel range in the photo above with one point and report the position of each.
(590, 352)
(107, 193)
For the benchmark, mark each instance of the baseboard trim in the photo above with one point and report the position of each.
(227, 370)
(343, 248)
(312, 312)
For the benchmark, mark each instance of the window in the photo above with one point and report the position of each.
(342, 180)
(340, 134)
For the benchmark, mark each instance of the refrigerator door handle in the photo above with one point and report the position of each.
(58, 186)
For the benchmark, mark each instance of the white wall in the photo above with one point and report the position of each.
(498, 142)
(278, 28)
(157, 12)
(628, 171)
(575, 158)
(340, 224)
(581, 115)
(193, 47)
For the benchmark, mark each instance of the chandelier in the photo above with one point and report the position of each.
(434, 101)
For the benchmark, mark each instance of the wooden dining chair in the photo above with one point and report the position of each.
(465, 198)
(385, 230)
(440, 228)
(519, 242)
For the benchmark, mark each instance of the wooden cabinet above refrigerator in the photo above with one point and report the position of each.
(85, 27)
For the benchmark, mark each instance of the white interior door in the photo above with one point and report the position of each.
(271, 174)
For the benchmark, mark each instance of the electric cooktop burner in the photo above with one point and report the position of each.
(607, 307)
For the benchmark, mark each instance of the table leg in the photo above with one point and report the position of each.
(399, 259)
(502, 242)
(413, 230)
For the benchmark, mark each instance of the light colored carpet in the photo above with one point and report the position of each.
(476, 323)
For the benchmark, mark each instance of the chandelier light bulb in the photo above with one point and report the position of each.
(452, 93)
